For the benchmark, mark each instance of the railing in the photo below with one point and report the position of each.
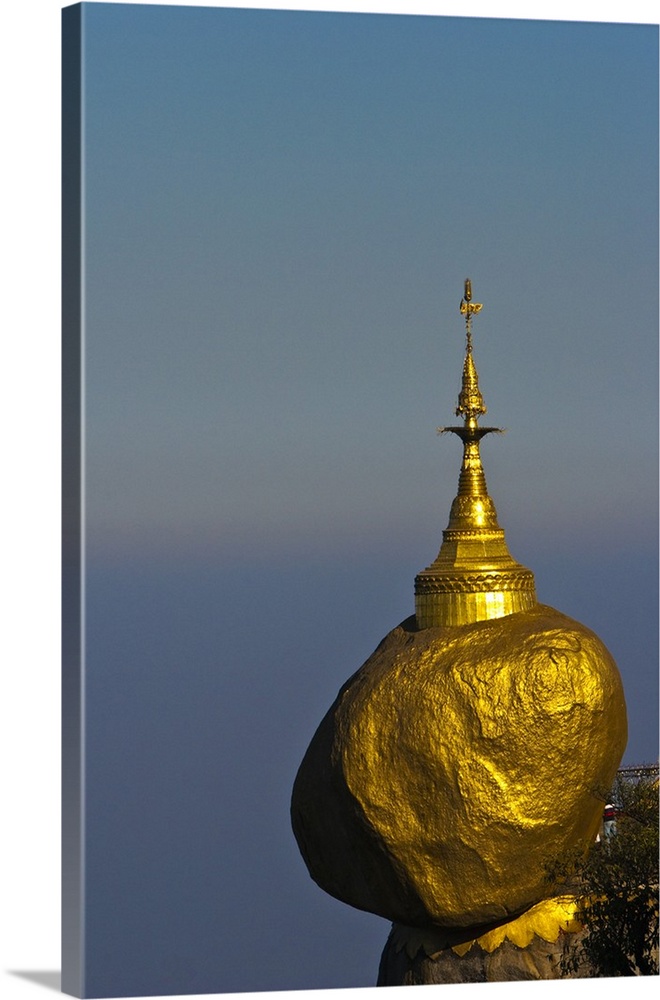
(633, 772)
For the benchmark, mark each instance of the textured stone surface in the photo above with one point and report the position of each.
(508, 963)
(456, 764)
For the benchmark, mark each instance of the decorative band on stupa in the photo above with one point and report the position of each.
(474, 577)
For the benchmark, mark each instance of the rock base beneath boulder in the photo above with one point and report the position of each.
(540, 959)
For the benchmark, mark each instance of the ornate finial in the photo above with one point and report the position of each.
(470, 401)
(474, 577)
(469, 309)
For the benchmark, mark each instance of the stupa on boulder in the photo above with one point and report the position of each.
(472, 749)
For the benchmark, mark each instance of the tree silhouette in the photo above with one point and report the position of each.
(617, 883)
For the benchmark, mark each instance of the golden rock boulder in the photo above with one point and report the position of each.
(457, 763)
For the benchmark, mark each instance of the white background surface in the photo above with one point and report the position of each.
(29, 936)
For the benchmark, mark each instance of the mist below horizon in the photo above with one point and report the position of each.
(205, 685)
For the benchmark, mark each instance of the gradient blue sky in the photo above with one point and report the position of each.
(274, 275)
(281, 209)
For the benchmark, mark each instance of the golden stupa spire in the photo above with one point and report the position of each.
(474, 577)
